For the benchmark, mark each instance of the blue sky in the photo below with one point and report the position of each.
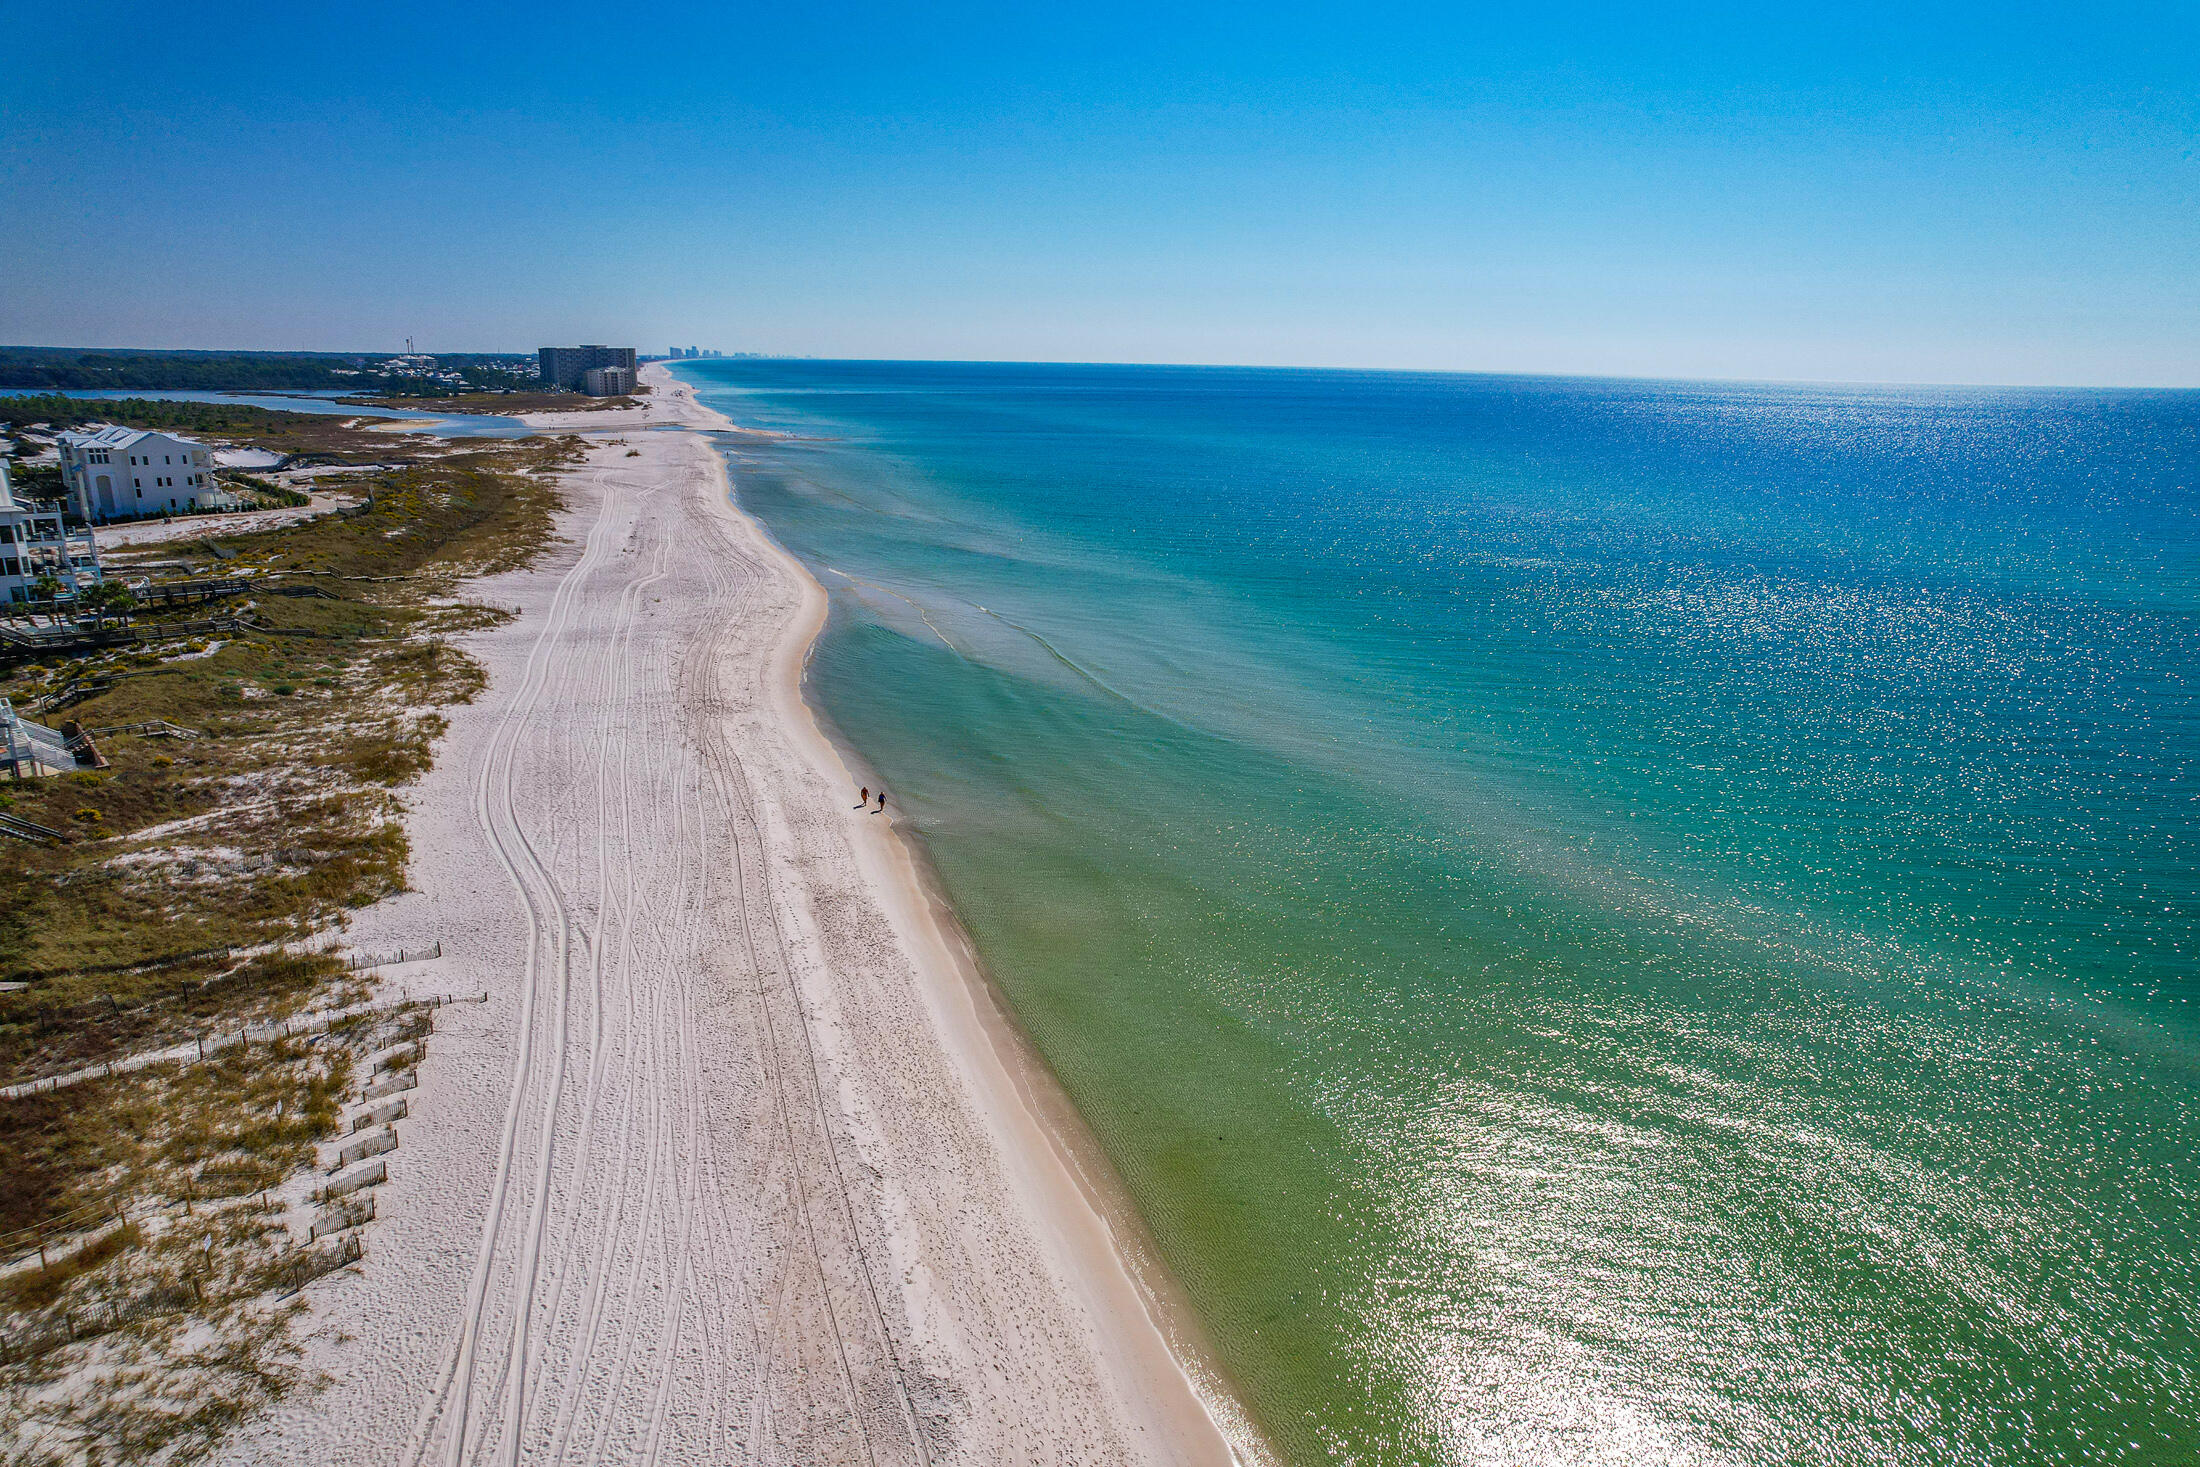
(1917, 192)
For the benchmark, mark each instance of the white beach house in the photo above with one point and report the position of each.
(34, 544)
(128, 473)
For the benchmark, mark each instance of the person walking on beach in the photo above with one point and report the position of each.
(881, 802)
(864, 798)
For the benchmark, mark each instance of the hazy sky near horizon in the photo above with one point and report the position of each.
(1915, 192)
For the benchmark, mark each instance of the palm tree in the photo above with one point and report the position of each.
(46, 588)
(108, 598)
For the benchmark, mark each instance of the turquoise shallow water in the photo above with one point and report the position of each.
(1600, 922)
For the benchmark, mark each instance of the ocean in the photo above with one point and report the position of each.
(1598, 921)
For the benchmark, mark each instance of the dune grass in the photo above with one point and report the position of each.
(270, 827)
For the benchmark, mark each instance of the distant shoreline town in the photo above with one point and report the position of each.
(92, 471)
(62, 478)
(389, 374)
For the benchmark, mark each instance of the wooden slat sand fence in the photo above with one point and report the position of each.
(197, 1049)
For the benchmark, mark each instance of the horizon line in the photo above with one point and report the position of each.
(1556, 376)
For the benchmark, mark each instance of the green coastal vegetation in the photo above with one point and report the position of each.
(505, 402)
(200, 879)
(83, 368)
(318, 437)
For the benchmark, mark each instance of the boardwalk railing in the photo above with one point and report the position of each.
(30, 830)
(24, 742)
(183, 593)
(151, 728)
(15, 644)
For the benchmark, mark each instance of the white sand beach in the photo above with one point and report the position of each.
(736, 1164)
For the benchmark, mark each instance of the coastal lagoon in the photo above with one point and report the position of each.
(1597, 921)
(415, 420)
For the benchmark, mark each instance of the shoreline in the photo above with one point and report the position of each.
(741, 1158)
(1042, 1128)
(1123, 1263)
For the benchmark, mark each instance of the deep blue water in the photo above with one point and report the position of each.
(1599, 921)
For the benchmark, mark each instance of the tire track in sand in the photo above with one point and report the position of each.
(493, 810)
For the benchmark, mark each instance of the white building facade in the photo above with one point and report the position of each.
(129, 473)
(607, 381)
(35, 544)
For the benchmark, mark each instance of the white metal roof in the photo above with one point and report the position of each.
(122, 438)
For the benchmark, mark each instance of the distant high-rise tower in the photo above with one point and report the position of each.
(568, 366)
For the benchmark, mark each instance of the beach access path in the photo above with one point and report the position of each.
(732, 1165)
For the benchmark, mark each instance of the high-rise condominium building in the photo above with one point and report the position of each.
(568, 366)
